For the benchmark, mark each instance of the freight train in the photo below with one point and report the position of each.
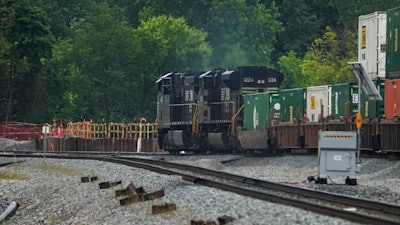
(202, 111)
(243, 110)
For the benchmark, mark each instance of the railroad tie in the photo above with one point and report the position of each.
(142, 197)
(158, 209)
(154, 195)
(88, 179)
(107, 184)
(130, 200)
(140, 191)
(202, 222)
(225, 219)
(130, 190)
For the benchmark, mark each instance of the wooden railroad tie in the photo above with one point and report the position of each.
(202, 222)
(225, 219)
(142, 197)
(128, 191)
(166, 208)
(88, 179)
(140, 191)
(104, 185)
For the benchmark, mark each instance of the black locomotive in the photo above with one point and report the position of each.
(201, 111)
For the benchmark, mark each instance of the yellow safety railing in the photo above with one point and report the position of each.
(112, 130)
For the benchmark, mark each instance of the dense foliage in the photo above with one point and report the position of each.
(98, 59)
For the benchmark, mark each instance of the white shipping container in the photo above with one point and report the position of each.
(372, 43)
(317, 97)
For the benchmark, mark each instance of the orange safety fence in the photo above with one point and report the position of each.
(20, 131)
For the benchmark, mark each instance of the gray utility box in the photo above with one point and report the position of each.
(337, 155)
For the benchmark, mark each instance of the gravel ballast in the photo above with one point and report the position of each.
(50, 190)
(52, 193)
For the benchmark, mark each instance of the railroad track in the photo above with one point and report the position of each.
(353, 209)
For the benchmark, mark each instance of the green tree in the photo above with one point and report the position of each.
(100, 65)
(242, 26)
(164, 44)
(326, 61)
(349, 11)
(68, 105)
(26, 36)
(241, 32)
(195, 13)
(304, 21)
(289, 66)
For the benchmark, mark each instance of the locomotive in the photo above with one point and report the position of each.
(203, 111)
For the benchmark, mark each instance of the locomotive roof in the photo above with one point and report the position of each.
(205, 74)
(164, 76)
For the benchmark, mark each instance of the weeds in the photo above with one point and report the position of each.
(4, 175)
(58, 169)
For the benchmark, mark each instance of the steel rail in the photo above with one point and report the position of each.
(262, 195)
(156, 166)
(355, 202)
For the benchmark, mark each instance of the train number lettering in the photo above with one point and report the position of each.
(271, 79)
(248, 79)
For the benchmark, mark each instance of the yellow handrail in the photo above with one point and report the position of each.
(233, 120)
(195, 124)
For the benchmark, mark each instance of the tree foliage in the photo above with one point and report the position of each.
(304, 21)
(326, 60)
(290, 67)
(242, 28)
(98, 59)
(27, 41)
(101, 61)
(348, 11)
(164, 44)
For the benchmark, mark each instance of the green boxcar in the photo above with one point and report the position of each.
(392, 44)
(257, 109)
(293, 102)
(342, 94)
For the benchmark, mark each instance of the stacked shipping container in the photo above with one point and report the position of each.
(392, 84)
(293, 103)
(318, 102)
(260, 109)
(372, 43)
(392, 39)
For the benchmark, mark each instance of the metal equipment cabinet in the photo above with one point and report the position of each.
(337, 155)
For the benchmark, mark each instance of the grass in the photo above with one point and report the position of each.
(4, 175)
(58, 169)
